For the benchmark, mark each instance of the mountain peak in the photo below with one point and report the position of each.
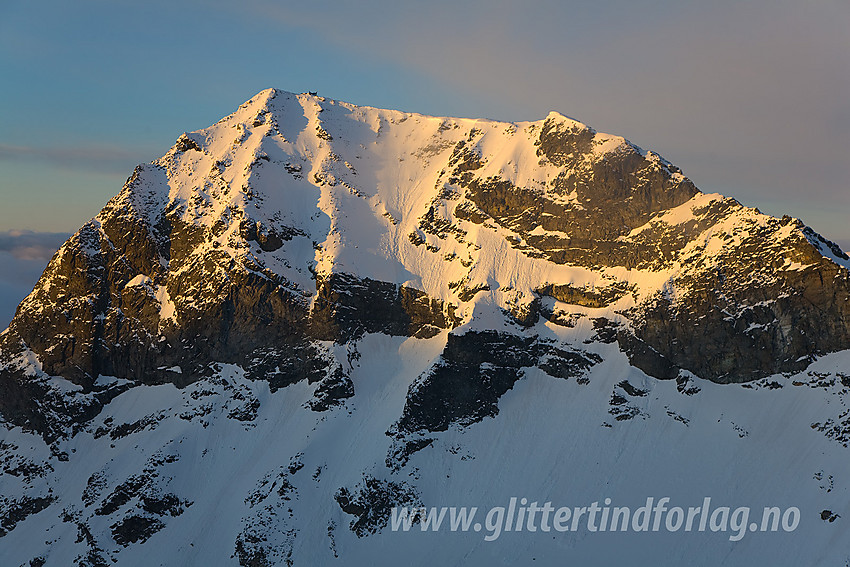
(295, 189)
(292, 315)
(566, 120)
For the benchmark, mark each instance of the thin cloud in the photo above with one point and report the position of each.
(87, 158)
(17, 278)
(29, 245)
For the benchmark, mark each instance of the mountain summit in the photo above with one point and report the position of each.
(351, 291)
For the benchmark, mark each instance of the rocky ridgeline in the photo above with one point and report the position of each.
(277, 239)
(162, 280)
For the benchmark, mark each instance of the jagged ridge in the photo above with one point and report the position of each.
(301, 237)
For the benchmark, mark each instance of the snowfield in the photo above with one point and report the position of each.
(479, 230)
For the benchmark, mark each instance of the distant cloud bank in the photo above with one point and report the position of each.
(85, 158)
(29, 245)
(23, 256)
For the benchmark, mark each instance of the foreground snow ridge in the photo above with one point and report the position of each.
(316, 333)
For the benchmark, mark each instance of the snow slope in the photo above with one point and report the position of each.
(551, 313)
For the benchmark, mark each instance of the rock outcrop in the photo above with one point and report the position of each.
(314, 283)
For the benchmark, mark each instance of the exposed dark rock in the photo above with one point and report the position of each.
(685, 385)
(631, 390)
(294, 169)
(269, 239)
(92, 558)
(558, 316)
(618, 192)
(817, 240)
(295, 464)
(165, 289)
(371, 502)
(282, 365)
(466, 210)
(746, 320)
(332, 391)
(829, 516)
(465, 293)
(620, 405)
(432, 222)
(148, 422)
(169, 504)
(523, 312)
(401, 450)
(266, 537)
(14, 464)
(13, 511)
(621, 409)
(250, 554)
(346, 307)
(123, 493)
(185, 143)
(94, 487)
(601, 297)
(562, 144)
(465, 158)
(645, 357)
(135, 529)
(118, 332)
(837, 429)
(604, 330)
(560, 363)
(474, 371)
(680, 418)
(244, 412)
(32, 404)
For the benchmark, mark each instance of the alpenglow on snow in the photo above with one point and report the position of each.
(312, 312)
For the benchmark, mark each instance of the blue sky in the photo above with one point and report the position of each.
(751, 99)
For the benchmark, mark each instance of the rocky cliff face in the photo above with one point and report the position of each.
(281, 238)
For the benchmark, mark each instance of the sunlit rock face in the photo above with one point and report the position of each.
(333, 304)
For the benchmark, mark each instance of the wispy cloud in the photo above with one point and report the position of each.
(17, 278)
(23, 256)
(29, 245)
(87, 158)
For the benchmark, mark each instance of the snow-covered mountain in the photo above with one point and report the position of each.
(311, 311)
